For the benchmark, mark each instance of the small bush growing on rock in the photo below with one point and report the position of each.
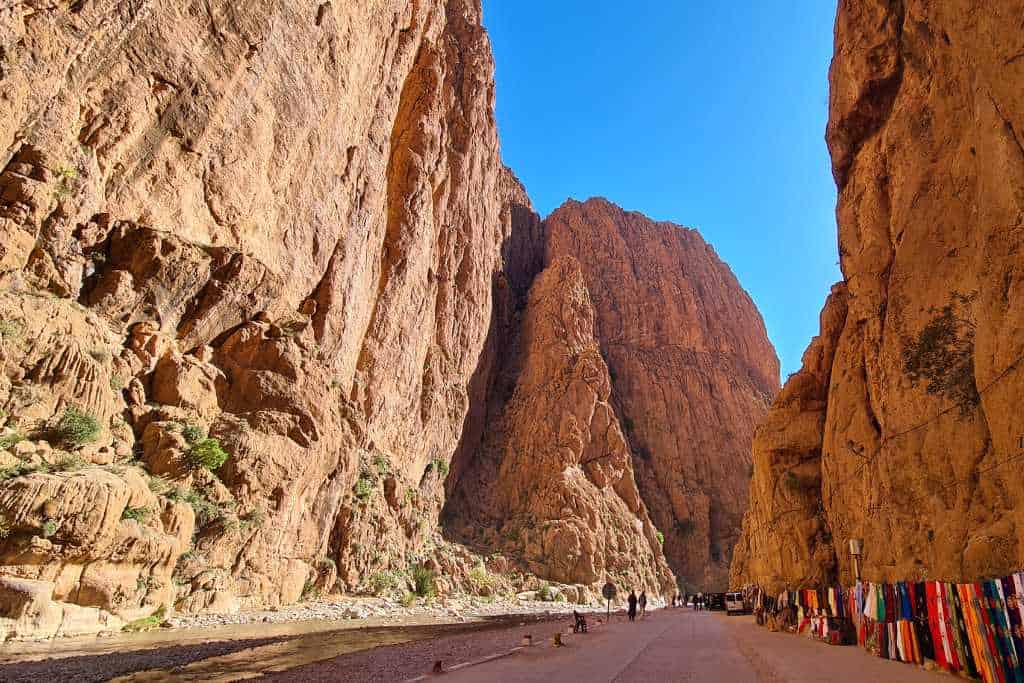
(309, 590)
(19, 470)
(546, 593)
(139, 514)
(69, 463)
(205, 510)
(481, 580)
(116, 382)
(441, 466)
(661, 537)
(943, 356)
(49, 528)
(159, 486)
(423, 581)
(382, 465)
(326, 564)
(409, 599)
(147, 623)
(252, 520)
(77, 428)
(207, 453)
(410, 496)
(385, 583)
(192, 433)
(363, 488)
(10, 440)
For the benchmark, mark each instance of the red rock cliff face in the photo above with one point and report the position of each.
(692, 372)
(915, 380)
(278, 225)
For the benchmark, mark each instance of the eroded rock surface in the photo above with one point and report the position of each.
(276, 228)
(919, 435)
(691, 372)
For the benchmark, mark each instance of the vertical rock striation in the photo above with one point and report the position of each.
(691, 372)
(918, 442)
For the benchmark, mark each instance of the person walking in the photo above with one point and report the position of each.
(643, 603)
(632, 605)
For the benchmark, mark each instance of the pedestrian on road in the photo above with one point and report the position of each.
(632, 605)
(643, 603)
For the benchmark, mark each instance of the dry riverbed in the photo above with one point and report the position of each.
(223, 647)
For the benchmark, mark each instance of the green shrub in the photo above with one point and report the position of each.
(481, 580)
(159, 485)
(49, 528)
(661, 537)
(192, 433)
(77, 428)
(147, 623)
(363, 488)
(139, 514)
(441, 466)
(206, 511)
(309, 590)
(423, 581)
(382, 465)
(546, 593)
(69, 463)
(8, 441)
(253, 520)
(411, 495)
(384, 583)
(116, 382)
(409, 599)
(943, 356)
(206, 453)
(326, 564)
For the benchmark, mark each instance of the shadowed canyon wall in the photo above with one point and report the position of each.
(902, 428)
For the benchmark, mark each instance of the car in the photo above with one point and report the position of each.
(715, 601)
(734, 604)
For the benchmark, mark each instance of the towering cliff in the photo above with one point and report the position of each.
(275, 227)
(901, 427)
(691, 372)
(266, 294)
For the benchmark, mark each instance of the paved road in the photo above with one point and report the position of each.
(682, 645)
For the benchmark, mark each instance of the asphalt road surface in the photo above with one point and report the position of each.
(682, 645)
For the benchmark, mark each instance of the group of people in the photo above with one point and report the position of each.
(634, 601)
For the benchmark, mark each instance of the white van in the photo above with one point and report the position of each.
(734, 604)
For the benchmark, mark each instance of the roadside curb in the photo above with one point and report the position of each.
(482, 660)
(466, 665)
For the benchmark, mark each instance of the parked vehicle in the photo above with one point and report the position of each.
(734, 604)
(716, 601)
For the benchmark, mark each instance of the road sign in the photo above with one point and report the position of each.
(608, 591)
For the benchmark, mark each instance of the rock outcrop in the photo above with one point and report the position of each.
(691, 372)
(902, 427)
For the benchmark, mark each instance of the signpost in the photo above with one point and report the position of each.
(609, 593)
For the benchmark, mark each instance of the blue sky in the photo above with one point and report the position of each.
(708, 114)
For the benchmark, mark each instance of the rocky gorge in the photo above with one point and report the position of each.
(276, 322)
(899, 430)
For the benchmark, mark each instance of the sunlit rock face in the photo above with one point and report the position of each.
(280, 225)
(903, 427)
(690, 371)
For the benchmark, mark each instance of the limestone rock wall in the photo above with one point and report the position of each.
(920, 439)
(278, 225)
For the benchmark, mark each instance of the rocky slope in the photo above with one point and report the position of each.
(690, 369)
(901, 427)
